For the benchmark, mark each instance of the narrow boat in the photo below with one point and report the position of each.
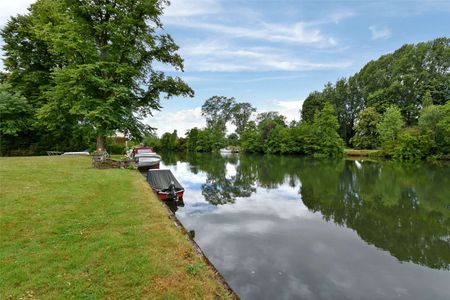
(165, 184)
(145, 158)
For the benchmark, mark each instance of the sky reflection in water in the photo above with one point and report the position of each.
(295, 228)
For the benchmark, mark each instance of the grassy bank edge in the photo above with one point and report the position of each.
(68, 230)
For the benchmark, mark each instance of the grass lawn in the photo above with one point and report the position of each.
(70, 231)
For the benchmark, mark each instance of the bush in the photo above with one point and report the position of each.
(410, 147)
(115, 149)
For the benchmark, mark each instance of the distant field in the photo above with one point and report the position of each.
(70, 231)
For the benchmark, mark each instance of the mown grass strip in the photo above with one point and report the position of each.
(70, 231)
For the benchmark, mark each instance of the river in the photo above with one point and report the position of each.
(282, 227)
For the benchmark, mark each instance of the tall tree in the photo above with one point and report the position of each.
(241, 113)
(267, 121)
(389, 127)
(312, 104)
(169, 141)
(218, 111)
(366, 133)
(106, 78)
(325, 129)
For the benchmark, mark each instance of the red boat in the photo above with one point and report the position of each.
(165, 184)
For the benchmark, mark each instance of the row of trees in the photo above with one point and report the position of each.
(399, 103)
(404, 78)
(430, 138)
(268, 133)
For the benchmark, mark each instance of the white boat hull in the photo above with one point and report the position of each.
(148, 161)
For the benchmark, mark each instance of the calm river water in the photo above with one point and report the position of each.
(280, 227)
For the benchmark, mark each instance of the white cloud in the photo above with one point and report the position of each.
(379, 32)
(181, 120)
(10, 8)
(218, 56)
(299, 33)
(288, 108)
(184, 8)
(334, 17)
(271, 78)
(290, 104)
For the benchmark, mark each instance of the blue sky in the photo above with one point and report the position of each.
(274, 53)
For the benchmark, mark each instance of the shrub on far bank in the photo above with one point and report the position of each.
(411, 146)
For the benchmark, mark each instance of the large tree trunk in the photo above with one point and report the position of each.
(100, 142)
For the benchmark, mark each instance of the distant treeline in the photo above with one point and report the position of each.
(398, 103)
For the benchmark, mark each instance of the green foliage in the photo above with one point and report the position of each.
(276, 139)
(94, 63)
(169, 141)
(366, 133)
(233, 139)
(218, 111)
(152, 141)
(430, 116)
(409, 78)
(241, 113)
(427, 99)
(389, 128)
(15, 112)
(443, 130)
(204, 140)
(317, 138)
(192, 137)
(325, 126)
(312, 104)
(15, 118)
(268, 121)
(250, 139)
(410, 147)
(115, 149)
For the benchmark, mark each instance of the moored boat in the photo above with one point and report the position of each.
(165, 184)
(145, 158)
(228, 150)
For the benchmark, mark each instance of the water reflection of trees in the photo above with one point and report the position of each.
(395, 208)
(398, 208)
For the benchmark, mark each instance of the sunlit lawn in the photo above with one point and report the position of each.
(70, 231)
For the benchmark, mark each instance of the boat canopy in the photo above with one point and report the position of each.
(161, 179)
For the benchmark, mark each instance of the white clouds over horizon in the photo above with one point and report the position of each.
(298, 32)
(233, 39)
(181, 120)
(217, 56)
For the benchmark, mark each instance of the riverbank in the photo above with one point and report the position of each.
(71, 231)
(356, 152)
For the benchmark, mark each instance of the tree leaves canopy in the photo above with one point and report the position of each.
(98, 61)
